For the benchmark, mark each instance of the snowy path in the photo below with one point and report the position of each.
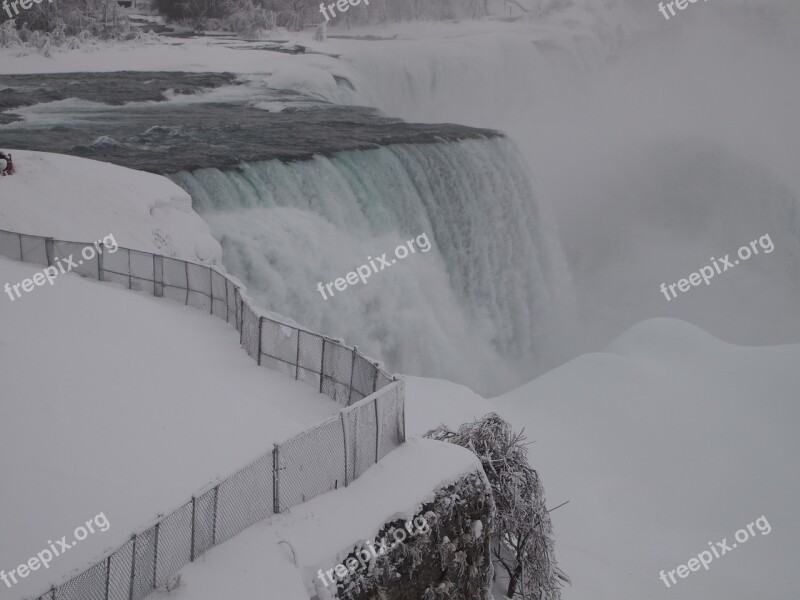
(124, 404)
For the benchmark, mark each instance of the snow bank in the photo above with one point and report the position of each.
(318, 534)
(668, 440)
(311, 73)
(83, 200)
(169, 54)
(118, 402)
(431, 402)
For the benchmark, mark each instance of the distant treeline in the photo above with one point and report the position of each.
(69, 22)
(105, 19)
(238, 15)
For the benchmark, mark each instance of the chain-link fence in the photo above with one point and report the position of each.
(332, 453)
(336, 370)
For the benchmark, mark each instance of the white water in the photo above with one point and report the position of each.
(487, 306)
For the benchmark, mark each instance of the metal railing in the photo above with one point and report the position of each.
(332, 453)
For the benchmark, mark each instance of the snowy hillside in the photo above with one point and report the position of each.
(135, 403)
(283, 554)
(627, 436)
(123, 404)
(663, 442)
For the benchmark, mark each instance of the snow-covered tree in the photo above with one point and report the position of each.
(523, 535)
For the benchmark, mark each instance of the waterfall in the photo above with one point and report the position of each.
(481, 308)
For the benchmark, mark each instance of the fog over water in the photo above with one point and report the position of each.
(658, 144)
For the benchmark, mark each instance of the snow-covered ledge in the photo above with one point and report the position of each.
(78, 199)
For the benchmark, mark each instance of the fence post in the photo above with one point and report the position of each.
(346, 466)
(53, 589)
(133, 569)
(48, 250)
(191, 545)
(214, 525)
(260, 325)
(108, 574)
(130, 272)
(158, 276)
(227, 306)
(186, 269)
(100, 265)
(377, 431)
(322, 366)
(211, 290)
(155, 555)
(276, 479)
(240, 313)
(403, 405)
(352, 371)
(297, 358)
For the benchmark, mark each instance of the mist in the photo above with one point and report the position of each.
(657, 144)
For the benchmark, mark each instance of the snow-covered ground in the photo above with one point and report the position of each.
(118, 402)
(667, 440)
(144, 402)
(115, 401)
(82, 200)
(309, 73)
(320, 533)
(192, 54)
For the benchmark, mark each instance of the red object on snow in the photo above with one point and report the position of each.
(9, 170)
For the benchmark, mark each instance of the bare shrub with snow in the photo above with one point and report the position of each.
(249, 19)
(451, 560)
(8, 35)
(101, 18)
(522, 539)
(241, 16)
(68, 24)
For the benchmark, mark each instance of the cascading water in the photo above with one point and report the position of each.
(302, 192)
(480, 308)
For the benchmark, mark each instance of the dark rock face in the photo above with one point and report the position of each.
(451, 561)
